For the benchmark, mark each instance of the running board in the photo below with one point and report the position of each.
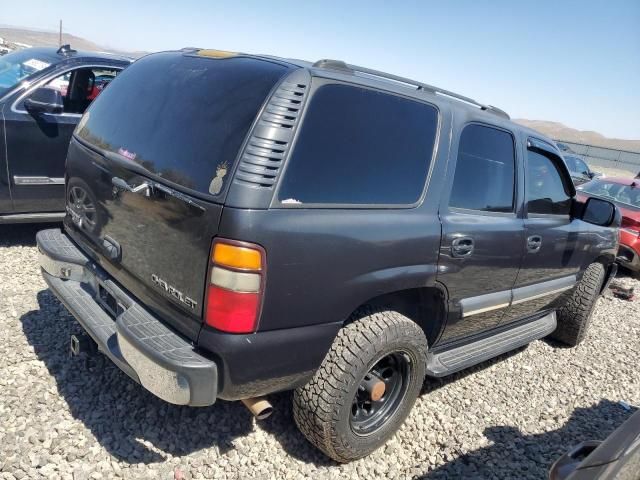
(455, 359)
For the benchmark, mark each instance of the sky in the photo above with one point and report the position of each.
(574, 62)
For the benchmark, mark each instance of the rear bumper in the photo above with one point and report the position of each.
(152, 354)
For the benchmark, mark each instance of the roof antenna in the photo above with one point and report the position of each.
(65, 50)
(60, 34)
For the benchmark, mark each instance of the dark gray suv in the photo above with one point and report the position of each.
(239, 225)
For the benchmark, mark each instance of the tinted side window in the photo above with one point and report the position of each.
(571, 164)
(360, 146)
(485, 170)
(546, 193)
(581, 166)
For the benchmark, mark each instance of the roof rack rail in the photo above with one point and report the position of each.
(340, 65)
(66, 49)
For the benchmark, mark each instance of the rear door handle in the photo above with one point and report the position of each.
(534, 243)
(462, 247)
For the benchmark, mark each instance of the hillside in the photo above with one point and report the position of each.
(554, 130)
(42, 38)
(560, 131)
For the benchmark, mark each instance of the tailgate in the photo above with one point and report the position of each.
(149, 168)
(155, 241)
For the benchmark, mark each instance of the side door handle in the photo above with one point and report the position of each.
(534, 243)
(462, 247)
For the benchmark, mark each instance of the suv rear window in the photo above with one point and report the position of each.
(360, 146)
(180, 116)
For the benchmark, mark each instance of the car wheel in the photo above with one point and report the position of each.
(365, 387)
(575, 314)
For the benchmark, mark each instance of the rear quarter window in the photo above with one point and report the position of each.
(484, 178)
(181, 117)
(360, 147)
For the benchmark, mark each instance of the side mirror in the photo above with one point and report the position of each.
(600, 212)
(44, 100)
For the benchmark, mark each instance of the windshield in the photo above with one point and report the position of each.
(17, 66)
(625, 194)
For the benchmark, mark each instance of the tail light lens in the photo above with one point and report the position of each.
(235, 286)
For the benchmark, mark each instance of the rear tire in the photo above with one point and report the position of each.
(575, 315)
(337, 410)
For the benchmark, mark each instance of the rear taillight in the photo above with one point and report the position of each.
(235, 286)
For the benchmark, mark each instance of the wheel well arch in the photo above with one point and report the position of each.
(608, 261)
(426, 306)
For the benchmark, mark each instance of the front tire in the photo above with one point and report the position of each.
(575, 315)
(365, 387)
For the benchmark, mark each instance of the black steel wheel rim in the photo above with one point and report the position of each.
(81, 203)
(369, 414)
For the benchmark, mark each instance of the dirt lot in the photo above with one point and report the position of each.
(507, 418)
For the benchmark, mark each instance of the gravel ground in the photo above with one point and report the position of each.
(507, 418)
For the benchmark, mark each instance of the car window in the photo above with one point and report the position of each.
(571, 164)
(485, 170)
(81, 86)
(581, 166)
(360, 146)
(574, 164)
(546, 191)
(181, 116)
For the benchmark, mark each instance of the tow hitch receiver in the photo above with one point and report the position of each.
(81, 343)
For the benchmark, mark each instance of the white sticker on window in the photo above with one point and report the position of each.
(36, 64)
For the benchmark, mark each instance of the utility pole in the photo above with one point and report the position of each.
(60, 35)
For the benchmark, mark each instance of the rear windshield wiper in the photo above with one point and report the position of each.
(147, 188)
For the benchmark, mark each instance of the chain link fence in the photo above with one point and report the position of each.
(607, 157)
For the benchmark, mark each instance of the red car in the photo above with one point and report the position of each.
(625, 193)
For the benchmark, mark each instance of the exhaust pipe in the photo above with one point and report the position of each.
(259, 407)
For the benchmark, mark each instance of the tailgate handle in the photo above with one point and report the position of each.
(121, 184)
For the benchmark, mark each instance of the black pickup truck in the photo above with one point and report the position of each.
(240, 225)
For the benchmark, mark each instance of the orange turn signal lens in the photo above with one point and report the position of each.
(237, 257)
